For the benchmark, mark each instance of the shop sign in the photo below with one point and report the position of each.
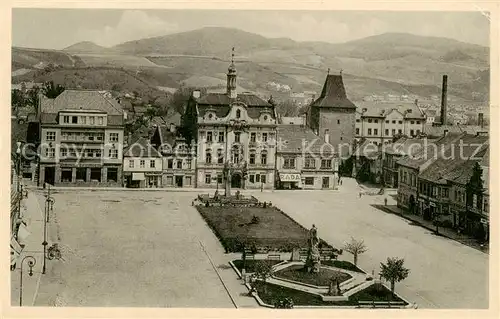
(288, 177)
(138, 176)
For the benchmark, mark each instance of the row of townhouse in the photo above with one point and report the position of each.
(380, 122)
(300, 162)
(82, 144)
(434, 182)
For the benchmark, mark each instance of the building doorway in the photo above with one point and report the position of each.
(178, 181)
(50, 175)
(236, 180)
(412, 204)
(326, 182)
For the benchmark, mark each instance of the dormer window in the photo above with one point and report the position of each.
(238, 114)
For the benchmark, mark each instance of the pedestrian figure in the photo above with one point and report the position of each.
(385, 201)
(340, 182)
(359, 194)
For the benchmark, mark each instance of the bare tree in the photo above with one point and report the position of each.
(355, 247)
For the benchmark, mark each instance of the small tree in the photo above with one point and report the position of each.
(394, 271)
(355, 247)
(52, 90)
(32, 98)
(263, 271)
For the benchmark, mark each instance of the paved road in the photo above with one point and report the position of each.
(134, 249)
(444, 273)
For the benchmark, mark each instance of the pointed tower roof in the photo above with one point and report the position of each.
(333, 94)
(232, 67)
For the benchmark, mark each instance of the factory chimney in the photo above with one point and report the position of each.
(480, 120)
(444, 100)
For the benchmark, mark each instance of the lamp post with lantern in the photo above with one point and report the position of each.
(31, 264)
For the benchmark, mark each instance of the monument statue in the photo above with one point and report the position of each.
(227, 179)
(313, 261)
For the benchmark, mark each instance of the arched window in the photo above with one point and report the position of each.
(208, 157)
(238, 114)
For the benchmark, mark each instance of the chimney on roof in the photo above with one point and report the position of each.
(444, 100)
(129, 139)
(480, 120)
(327, 136)
(416, 102)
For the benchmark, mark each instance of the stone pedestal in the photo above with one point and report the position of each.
(295, 254)
(333, 289)
(313, 262)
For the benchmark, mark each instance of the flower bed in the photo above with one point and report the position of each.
(299, 274)
(269, 293)
(342, 264)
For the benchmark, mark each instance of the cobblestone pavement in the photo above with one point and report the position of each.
(136, 249)
(443, 272)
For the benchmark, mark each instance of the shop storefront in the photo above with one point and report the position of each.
(290, 181)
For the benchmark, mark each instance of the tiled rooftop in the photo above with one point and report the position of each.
(461, 151)
(333, 94)
(298, 138)
(82, 100)
(381, 109)
(141, 148)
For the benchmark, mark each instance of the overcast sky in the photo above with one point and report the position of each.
(59, 28)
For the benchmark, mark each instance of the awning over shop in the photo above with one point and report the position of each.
(290, 177)
(23, 232)
(138, 176)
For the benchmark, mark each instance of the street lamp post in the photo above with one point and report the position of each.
(44, 243)
(49, 206)
(31, 263)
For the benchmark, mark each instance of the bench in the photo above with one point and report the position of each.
(328, 253)
(262, 250)
(273, 257)
(303, 257)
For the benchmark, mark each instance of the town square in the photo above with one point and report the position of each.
(182, 159)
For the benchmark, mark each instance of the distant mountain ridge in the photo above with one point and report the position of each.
(390, 63)
(86, 47)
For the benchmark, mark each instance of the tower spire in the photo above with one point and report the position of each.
(231, 77)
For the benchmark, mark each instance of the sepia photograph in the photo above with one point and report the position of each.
(250, 159)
